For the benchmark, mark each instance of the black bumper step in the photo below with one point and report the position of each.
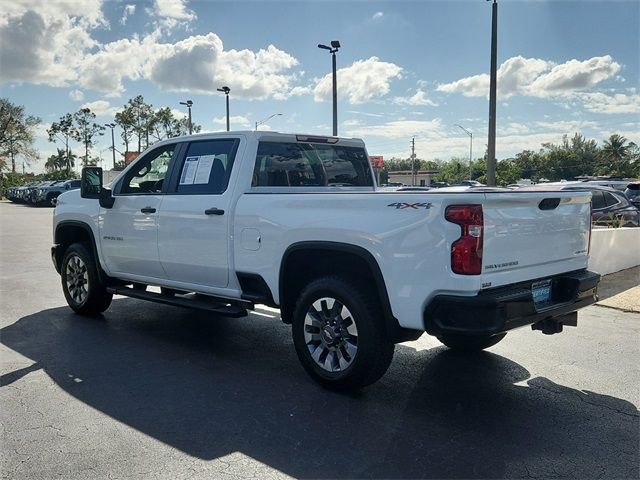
(220, 306)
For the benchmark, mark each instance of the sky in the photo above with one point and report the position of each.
(406, 69)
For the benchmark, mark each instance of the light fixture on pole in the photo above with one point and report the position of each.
(189, 104)
(226, 91)
(470, 146)
(335, 45)
(267, 119)
(491, 147)
(113, 142)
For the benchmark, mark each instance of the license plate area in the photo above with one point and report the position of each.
(541, 292)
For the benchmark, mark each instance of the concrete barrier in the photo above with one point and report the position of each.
(614, 249)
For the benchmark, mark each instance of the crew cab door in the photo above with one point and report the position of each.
(195, 218)
(129, 230)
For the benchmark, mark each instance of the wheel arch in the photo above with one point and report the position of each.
(305, 261)
(68, 232)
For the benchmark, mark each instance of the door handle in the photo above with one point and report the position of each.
(148, 210)
(214, 211)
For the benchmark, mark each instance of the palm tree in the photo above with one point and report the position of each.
(616, 152)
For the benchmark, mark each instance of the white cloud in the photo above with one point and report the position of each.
(76, 95)
(598, 102)
(574, 75)
(127, 11)
(360, 82)
(101, 108)
(233, 120)
(200, 64)
(567, 126)
(50, 43)
(175, 9)
(398, 129)
(44, 42)
(538, 78)
(377, 16)
(420, 98)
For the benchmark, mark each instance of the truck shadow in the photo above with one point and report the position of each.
(210, 387)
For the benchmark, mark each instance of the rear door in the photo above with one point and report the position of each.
(195, 218)
(529, 235)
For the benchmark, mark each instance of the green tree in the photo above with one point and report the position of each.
(166, 125)
(86, 129)
(60, 161)
(63, 130)
(616, 154)
(17, 133)
(126, 122)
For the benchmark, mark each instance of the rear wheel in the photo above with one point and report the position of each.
(81, 283)
(470, 343)
(339, 335)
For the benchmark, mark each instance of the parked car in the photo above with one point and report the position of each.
(47, 194)
(610, 207)
(633, 193)
(20, 193)
(225, 221)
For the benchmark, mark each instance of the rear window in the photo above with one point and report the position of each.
(310, 165)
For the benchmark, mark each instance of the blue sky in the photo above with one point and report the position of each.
(406, 69)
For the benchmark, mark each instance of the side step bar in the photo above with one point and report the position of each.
(221, 306)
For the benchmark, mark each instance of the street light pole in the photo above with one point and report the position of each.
(470, 146)
(189, 104)
(226, 91)
(113, 142)
(266, 119)
(491, 147)
(335, 45)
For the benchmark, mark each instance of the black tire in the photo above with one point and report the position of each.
(471, 343)
(374, 350)
(83, 274)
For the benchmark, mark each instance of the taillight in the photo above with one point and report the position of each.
(466, 252)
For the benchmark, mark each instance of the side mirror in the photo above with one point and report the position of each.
(91, 182)
(67, 186)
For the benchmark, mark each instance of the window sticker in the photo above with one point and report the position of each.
(204, 169)
(189, 170)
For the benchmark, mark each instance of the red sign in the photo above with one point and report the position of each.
(129, 156)
(377, 161)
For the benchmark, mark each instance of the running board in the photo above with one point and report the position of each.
(222, 306)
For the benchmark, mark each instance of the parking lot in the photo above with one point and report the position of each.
(152, 391)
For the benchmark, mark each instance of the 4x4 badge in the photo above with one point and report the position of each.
(416, 206)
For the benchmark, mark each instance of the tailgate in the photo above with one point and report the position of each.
(530, 235)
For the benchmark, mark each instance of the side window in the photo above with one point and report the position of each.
(206, 166)
(597, 200)
(310, 165)
(285, 165)
(610, 199)
(147, 175)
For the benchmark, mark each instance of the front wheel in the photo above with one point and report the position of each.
(81, 284)
(339, 335)
(470, 343)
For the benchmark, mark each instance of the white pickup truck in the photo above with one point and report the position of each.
(225, 221)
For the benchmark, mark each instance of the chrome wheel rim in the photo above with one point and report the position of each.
(331, 334)
(77, 279)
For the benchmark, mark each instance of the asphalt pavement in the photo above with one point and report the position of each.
(152, 391)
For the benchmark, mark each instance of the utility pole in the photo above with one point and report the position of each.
(226, 91)
(335, 45)
(491, 147)
(189, 104)
(113, 143)
(470, 146)
(414, 174)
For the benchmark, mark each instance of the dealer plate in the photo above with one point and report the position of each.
(541, 292)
